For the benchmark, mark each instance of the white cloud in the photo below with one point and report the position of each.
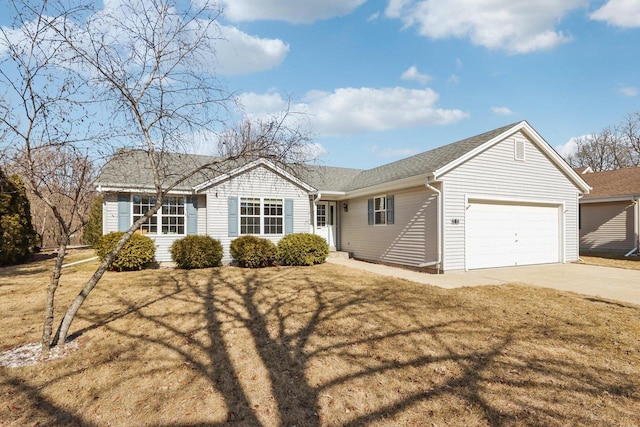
(373, 17)
(517, 26)
(629, 91)
(569, 147)
(503, 111)
(357, 110)
(294, 11)
(453, 79)
(620, 13)
(412, 73)
(392, 152)
(241, 53)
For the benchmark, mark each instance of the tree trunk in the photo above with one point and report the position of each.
(54, 281)
(65, 324)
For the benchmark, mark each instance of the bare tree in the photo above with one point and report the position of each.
(40, 121)
(151, 65)
(614, 147)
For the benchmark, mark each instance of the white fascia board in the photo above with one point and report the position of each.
(249, 166)
(628, 198)
(536, 138)
(330, 195)
(414, 181)
(122, 188)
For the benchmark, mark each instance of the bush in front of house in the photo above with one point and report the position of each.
(253, 252)
(136, 254)
(196, 252)
(302, 249)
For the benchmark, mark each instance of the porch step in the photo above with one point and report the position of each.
(339, 254)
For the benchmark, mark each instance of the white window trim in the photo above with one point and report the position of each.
(384, 199)
(262, 216)
(158, 215)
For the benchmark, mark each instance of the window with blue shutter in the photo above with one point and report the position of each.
(370, 211)
(232, 217)
(288, 216)
(124, 212)
(192, 215)
(390, 216)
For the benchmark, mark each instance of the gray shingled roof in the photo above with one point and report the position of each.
(423, 163)
(131, 168)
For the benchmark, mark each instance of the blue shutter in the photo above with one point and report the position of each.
(124, 212)
(390, 214)
(192, 215)
(370, 210)
(232, 218)
(288, 216)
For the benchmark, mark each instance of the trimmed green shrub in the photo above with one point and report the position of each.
(136, 254)
(92, 232)
(196, 252)
(17, 235)
(253, 252)
(302, 249)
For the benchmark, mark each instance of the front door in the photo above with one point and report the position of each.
(326, 222)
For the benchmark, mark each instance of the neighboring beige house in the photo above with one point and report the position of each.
(502, 198)
(610, 213)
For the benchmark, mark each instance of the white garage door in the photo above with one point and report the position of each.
(501, 235)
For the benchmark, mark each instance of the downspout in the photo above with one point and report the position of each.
(636, 228)
(313, 214)
(438, 262)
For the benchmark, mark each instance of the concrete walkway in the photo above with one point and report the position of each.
(604, 282)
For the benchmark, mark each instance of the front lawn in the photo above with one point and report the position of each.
(321, 345)
(632, 263)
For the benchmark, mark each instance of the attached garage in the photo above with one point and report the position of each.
(503, 234)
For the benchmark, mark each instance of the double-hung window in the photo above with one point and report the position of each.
(261, 216)
(171, 216)
(381, 210)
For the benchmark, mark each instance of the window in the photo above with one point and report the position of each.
(261, 216)
(249, 216)
(273, 216)
(171, 215)
(321, 215)
(141, 205)
(380, 210)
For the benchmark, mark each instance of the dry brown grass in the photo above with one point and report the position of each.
(632, 263)
(322, 345)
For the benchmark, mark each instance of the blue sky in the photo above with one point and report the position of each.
(381, 80)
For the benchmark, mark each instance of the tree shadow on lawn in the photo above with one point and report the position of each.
(284, 346)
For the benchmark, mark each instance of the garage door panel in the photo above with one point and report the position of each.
(499, 235)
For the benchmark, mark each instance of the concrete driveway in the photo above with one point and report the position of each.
(604, 282)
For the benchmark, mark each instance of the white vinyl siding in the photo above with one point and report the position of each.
(607, 227)
(109, 213)
(496, 173)
(410, 240)
(163, 242)
(258, 182)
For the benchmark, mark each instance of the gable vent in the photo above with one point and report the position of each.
(519, 149)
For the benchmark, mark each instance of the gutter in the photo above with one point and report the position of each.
(439, 228)
(314, 213)
(636, 227)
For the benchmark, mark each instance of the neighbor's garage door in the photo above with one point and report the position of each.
(501, 235)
